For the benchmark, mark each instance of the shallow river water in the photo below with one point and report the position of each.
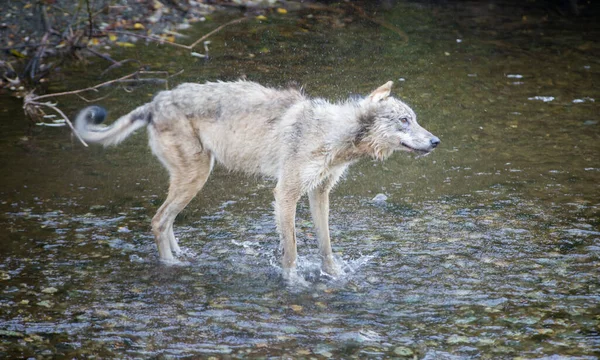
(489, 248)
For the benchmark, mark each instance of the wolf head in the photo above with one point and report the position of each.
(390, 125)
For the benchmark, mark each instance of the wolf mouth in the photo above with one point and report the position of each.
(418, 151)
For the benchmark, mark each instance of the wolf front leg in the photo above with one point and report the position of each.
(319, 208)
(287, 195)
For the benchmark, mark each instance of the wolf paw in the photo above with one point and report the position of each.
(331, 269)
(293, 279)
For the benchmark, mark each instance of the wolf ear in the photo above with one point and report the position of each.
(381, 92)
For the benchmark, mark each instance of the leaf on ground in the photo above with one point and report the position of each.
(124, 44)
(17, 53)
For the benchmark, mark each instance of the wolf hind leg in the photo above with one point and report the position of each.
(173, 241)
(183, 187)
(189, 167)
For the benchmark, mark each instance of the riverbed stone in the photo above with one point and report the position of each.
(403, 351)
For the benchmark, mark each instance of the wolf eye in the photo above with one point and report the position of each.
(404, 120)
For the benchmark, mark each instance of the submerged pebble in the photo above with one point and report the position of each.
(9, 333)
(45, 303)
(542, 98)
(379, 198)
(403, 351)
(585, 99)
(49, 290)
(456, 339)
(4, 275)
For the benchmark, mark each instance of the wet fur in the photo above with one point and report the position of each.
(305, 144)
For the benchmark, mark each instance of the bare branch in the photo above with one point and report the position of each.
(86, 89)
(93, 100)
(65, 117)
(103, 56)
(119, 64)
(216, 31)
(151, 37)
(181, 46)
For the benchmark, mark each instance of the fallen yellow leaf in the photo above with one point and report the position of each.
(124, 44)
(112, 37)
(261, 18)
(17, 53)
(157, 5)
(138, 26)
(281, 11)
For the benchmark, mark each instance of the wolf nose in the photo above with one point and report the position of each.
(434, 141)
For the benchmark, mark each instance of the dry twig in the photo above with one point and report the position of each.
(181, 46)
(119, 64)
(73, 92)
(31, 103)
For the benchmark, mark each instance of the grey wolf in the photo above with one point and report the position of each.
(305, 143)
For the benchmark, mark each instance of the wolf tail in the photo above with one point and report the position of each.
(89, 119)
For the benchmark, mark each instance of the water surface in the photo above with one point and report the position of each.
(489, 248)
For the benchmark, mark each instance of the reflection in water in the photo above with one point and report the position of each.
(489, 248)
